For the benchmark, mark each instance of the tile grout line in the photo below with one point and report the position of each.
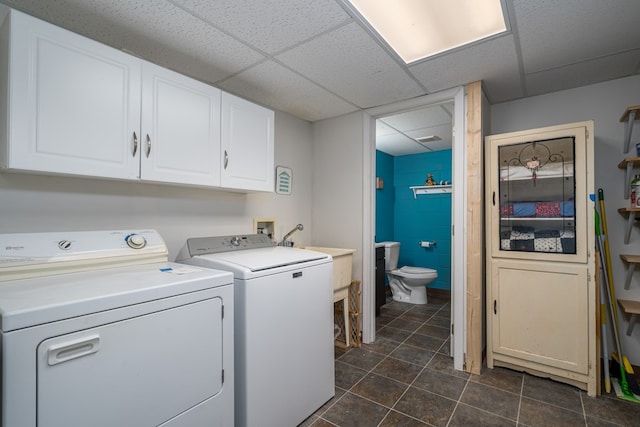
(421, 370)
(398, 344)
(520, 400)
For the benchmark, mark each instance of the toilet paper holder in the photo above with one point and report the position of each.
(426, 243)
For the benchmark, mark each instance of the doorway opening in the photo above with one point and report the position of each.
(436, 138)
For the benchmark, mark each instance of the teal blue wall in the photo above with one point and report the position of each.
(427, 217)
(385, 198)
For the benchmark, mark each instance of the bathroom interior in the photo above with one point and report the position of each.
(414, 149)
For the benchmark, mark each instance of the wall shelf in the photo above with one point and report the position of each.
(628, 117)
(632, 308)
(430, 189)
(628, 165)
(630, 214)
(631, 261)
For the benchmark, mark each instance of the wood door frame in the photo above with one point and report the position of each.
(469, 312)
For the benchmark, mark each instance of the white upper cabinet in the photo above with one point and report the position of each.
(180, 138)
(247, 145)
(72, 104)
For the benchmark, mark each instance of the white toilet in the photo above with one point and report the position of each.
(408, 284)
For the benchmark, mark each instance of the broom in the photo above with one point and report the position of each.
(620, 385)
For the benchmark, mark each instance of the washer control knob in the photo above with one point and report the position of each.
(235, 241)
(64, 244)
(135, 241)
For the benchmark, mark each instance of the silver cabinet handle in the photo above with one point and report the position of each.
(73, 349)
(226, 159)
(148, 145)
(135, 144)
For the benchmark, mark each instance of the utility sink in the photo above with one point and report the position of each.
(342, 264)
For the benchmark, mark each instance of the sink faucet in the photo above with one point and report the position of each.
(286, 236)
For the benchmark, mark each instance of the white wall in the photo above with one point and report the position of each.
(30, 203)
(604, 103)
(337, 185)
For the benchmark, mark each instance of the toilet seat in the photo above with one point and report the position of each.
(408, 271)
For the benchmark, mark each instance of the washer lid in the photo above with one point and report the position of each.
(259, 260)
(35, 301)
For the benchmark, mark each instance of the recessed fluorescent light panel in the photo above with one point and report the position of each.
(417, 29)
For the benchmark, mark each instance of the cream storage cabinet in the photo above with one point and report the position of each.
(541, 290)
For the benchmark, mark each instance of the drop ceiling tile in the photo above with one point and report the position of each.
(155, 30)
(272, 84)
(420, 118)
(348, 62)
(443, 132)
(570, 31)
(440, 145)
(270, 26)
(494, 61)
(584, 73)
(398, 145)
(383, 129)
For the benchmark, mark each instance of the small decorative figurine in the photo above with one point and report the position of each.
(430, 180)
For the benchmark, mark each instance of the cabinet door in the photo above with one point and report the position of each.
(539, 312)
(538, 187)
(247, 145)
(180, 129)
(73, 103)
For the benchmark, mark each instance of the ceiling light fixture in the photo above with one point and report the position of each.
(417, 29)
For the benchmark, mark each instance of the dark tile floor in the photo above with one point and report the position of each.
(406, 378)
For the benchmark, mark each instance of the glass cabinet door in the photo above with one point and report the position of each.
(537, 196)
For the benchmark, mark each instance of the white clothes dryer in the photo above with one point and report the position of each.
(284, 348)
(99, 329)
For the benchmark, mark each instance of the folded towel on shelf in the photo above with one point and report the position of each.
(523, 209)
(548, 244)
(523, 245)
(539, 234)
(567, 208)
(547, 209)
(568, 245)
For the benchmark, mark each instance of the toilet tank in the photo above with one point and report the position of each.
(391, 254)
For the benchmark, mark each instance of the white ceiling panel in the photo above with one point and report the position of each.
(348, 62)
(397, 134)
(559, 33)
(584, 73)
(494, 61)
(397, 145)
(421, 118)
(443, 132)
(272, 84)
(270, 26)
(154, 30)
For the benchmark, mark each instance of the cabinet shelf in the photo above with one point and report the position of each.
(628, 164)
(430, 189)
(628, 117)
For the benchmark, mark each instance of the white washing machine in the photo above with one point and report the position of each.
(98, 329)
(284, 360)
